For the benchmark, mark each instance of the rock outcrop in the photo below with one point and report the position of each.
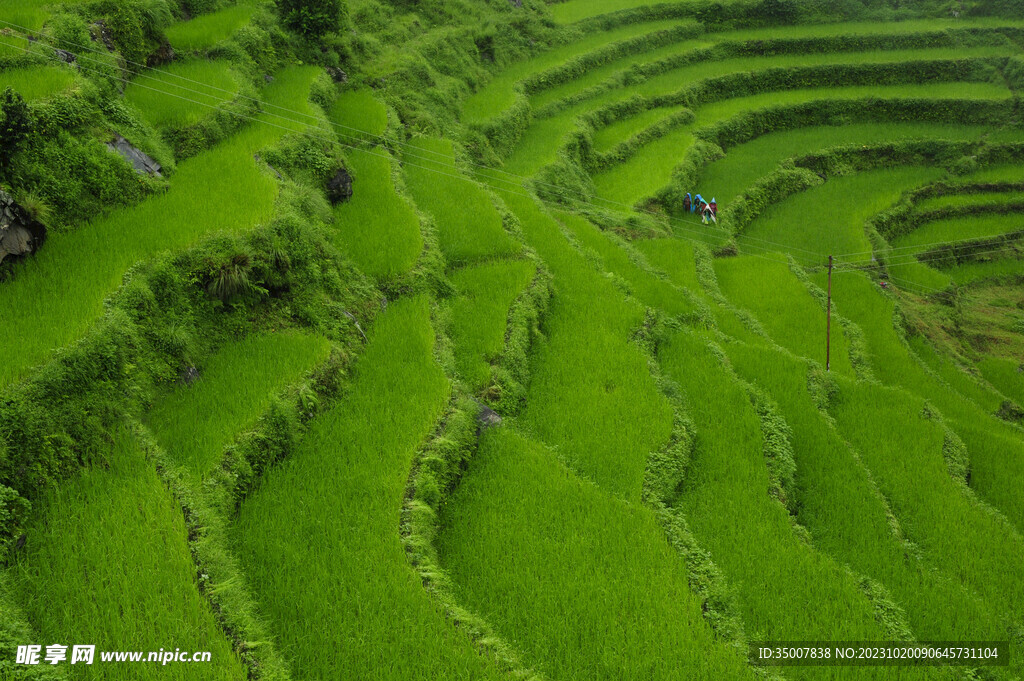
(19, 233)
(339, 187)
(143, 164)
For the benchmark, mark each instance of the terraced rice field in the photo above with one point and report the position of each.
(459, 429)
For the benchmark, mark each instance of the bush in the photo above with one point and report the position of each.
(312, 19)
(15, 125)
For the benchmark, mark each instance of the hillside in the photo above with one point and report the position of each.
(388, 339)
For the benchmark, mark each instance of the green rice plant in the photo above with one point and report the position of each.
(37, 82)
(206, 30)
(1004, 374)
(829, 219)
(675, 257)
(918, 277)
(499, 94)
(193, 423)
(973, 200)
(529, 545)
(479, 314)
(782, 304)
(904, 451)
(870, 27)
(468, 224)
(995, 449)
(978, 226)
(743, 165)
(337, 589)
(577, 10)
(377, 228)
(645, 287)
(221, 189)
(167, 101)
(847, 518)
(650, 167)
(971, 272)
(540, 143)
(749, 534)
(996, 173)
(106, 562)
(591, 395)
(357, 112)
(597, 76)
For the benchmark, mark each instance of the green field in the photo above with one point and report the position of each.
(506, 412)
(207, 30)
(170, 96)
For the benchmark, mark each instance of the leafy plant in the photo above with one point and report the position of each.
(15, 125)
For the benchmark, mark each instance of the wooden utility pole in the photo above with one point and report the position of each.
(828, 319)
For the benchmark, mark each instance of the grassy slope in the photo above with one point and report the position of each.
(584, 585)
(651, 166)
(479, 314)
(319, 539)
(194, 423)
(357, 112)
(646, 288)
(954, 229)
(468, 224)
(221, 189)
(377, 227)
(107, 563)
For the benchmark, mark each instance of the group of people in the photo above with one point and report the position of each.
(708, 209)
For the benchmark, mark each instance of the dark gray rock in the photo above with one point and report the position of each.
(516, 3)
(143, 164)
(267, 78)
(19, 233)
(337, 75)
(488, 418)
(161, 55)
(189, 375)
(99, 31)
(65, 56)
(339, 187)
